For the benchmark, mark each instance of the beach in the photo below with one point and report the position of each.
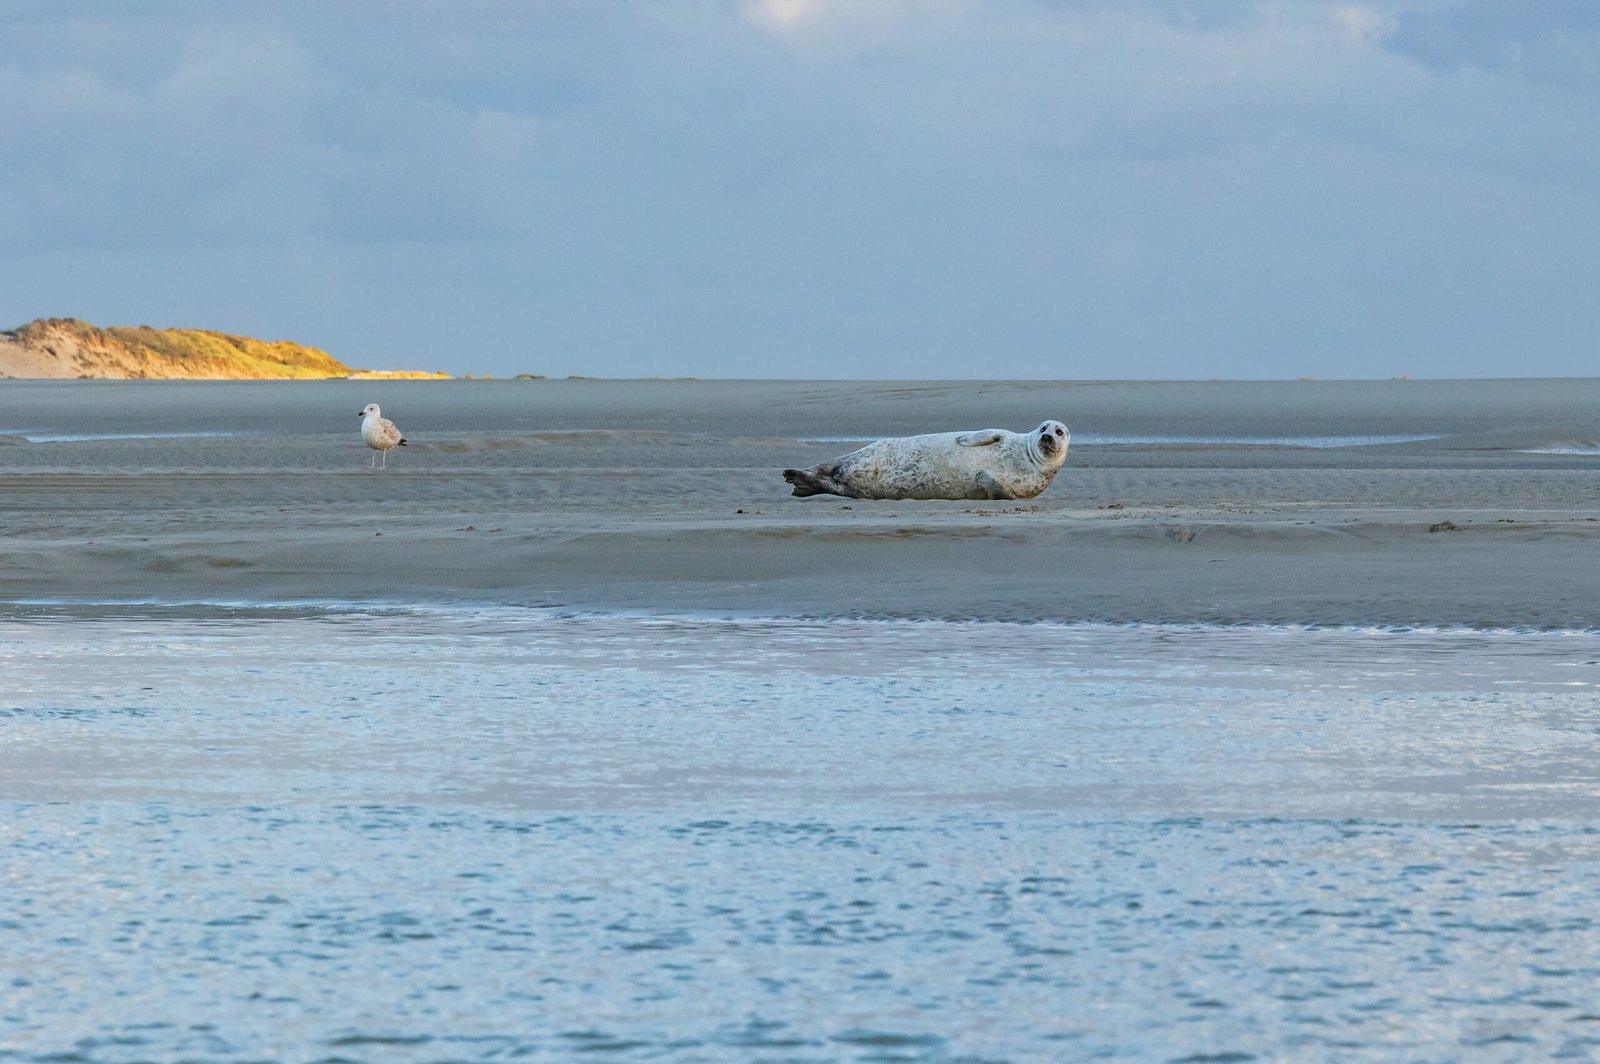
(1301, 502)
(1268, 731)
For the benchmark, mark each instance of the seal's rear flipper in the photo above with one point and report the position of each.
(806, 483)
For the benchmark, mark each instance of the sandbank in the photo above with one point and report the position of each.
(1456, 503)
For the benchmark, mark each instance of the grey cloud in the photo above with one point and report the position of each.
(634, 187)
(202, 146)
(1553, 41)
(268, 127)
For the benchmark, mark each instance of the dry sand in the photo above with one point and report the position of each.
(667, 496)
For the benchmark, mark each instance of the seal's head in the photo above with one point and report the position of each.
(1051, 439)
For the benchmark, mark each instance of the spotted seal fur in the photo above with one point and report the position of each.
(986, 464)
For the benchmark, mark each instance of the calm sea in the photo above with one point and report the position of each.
(340, 834)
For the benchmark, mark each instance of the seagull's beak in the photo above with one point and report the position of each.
(360, 413)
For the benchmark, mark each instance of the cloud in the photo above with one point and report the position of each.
(1543, 41)
(1361, 23)
(366, 121)
(853, 186)
(259, 130)
(90, 154)
(854, 27)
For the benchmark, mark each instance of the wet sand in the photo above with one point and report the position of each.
(1457, 503)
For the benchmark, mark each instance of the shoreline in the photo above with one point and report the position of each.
(1529, 575)
(245, 611)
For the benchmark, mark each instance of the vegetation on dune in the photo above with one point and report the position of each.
(86, 350)
(202, 348)
(178, 352)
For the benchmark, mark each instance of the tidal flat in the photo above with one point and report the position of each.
(1269, 731)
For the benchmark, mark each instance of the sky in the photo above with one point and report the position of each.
(890, 189)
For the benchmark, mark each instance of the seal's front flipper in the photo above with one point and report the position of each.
(807, 483)
(981, 438)
(996, 487)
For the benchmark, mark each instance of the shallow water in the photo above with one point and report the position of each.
(308, 834)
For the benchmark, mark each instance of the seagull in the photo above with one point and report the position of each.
(379, 433)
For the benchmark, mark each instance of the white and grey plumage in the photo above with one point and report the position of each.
(379, 433)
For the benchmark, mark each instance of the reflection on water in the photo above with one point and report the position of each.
(31, 436)
(427, 836)
(1575, 449)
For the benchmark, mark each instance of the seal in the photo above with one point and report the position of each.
(379, 433)
(987, 464)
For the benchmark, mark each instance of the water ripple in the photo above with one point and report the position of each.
(466, 838)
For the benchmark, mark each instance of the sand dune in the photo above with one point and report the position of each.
(57, 348)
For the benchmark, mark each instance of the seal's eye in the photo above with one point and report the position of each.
(1058, 432)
